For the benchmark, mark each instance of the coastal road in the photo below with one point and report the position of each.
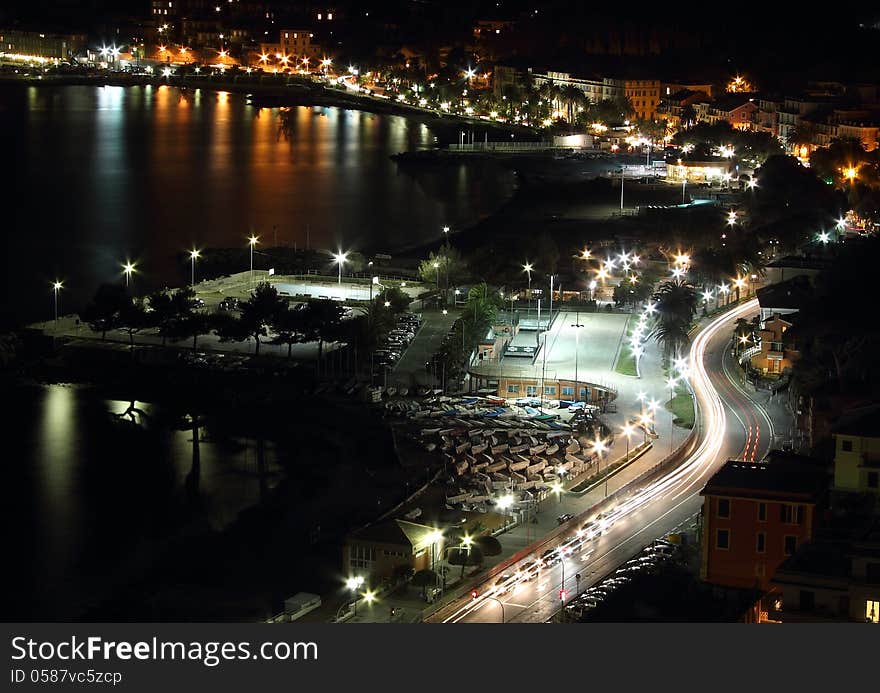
(734, 425)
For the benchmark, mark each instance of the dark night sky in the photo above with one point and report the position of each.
(728, 36)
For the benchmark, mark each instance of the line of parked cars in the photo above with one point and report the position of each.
(650, 559)
(397, 340)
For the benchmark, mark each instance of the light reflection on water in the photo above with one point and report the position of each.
(92, 496)
(109, 172)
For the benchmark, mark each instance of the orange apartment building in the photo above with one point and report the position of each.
(756, 515)
(644, 95)
(778, 352)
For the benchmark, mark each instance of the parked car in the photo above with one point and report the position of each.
(565, 517)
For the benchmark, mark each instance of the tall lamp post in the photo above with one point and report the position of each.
(56, 287)
(194, 255)
(577, 345)
(339, 258)
(353, 584)
(627, 432)
(252, 241)
(599, 447)
(527, 268)
(127, 270)
(621, 188)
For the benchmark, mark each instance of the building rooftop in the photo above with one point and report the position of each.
(793, 294)
(728, 102)
(399, 532)
(800, 261)
(860, 422)
(829, 559)
(779, 476)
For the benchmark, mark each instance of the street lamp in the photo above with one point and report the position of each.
(252, 241)
(56, 287)
(577, 344)
(353, 584)
(194, 255)
(527, 268)
(437, 267)
(127, 269)
(339, 258)
(599, 447)
(627, 431)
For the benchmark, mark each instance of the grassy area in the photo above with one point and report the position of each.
(626, 360)
(682, 407)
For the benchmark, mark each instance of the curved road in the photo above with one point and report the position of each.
(733, 425)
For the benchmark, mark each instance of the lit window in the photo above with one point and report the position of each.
(330, 16)
(319, 16)
(872, 612)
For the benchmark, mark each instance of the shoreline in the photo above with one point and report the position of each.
(279, 93)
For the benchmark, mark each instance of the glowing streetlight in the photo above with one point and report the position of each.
(194, 255)
(586, 254)
(127, 270)
(340, 258)
(56, 287)
(731, 218)
(264, 58)
(752, 184)
(527, 268)
(252, 241)
(627, 431)
(353, 584)
(850, 173)
(824, 236)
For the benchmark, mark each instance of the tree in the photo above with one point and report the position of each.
(192, 324)
(167, 308)
(471, 556)
(227, 327)
(103, 313)
(289, 328)
(260, 311)
(162, 312)
(489, 545)
(424, 579)
(443, 268)
(133, 318)
(322, 320)
(676, 304)
(398, 299)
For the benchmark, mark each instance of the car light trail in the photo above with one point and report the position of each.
(676, 482)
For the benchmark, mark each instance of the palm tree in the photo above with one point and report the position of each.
(676, 304)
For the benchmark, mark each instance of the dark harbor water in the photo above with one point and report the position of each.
(101, 174)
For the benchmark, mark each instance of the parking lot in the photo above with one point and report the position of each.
(410, 369)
